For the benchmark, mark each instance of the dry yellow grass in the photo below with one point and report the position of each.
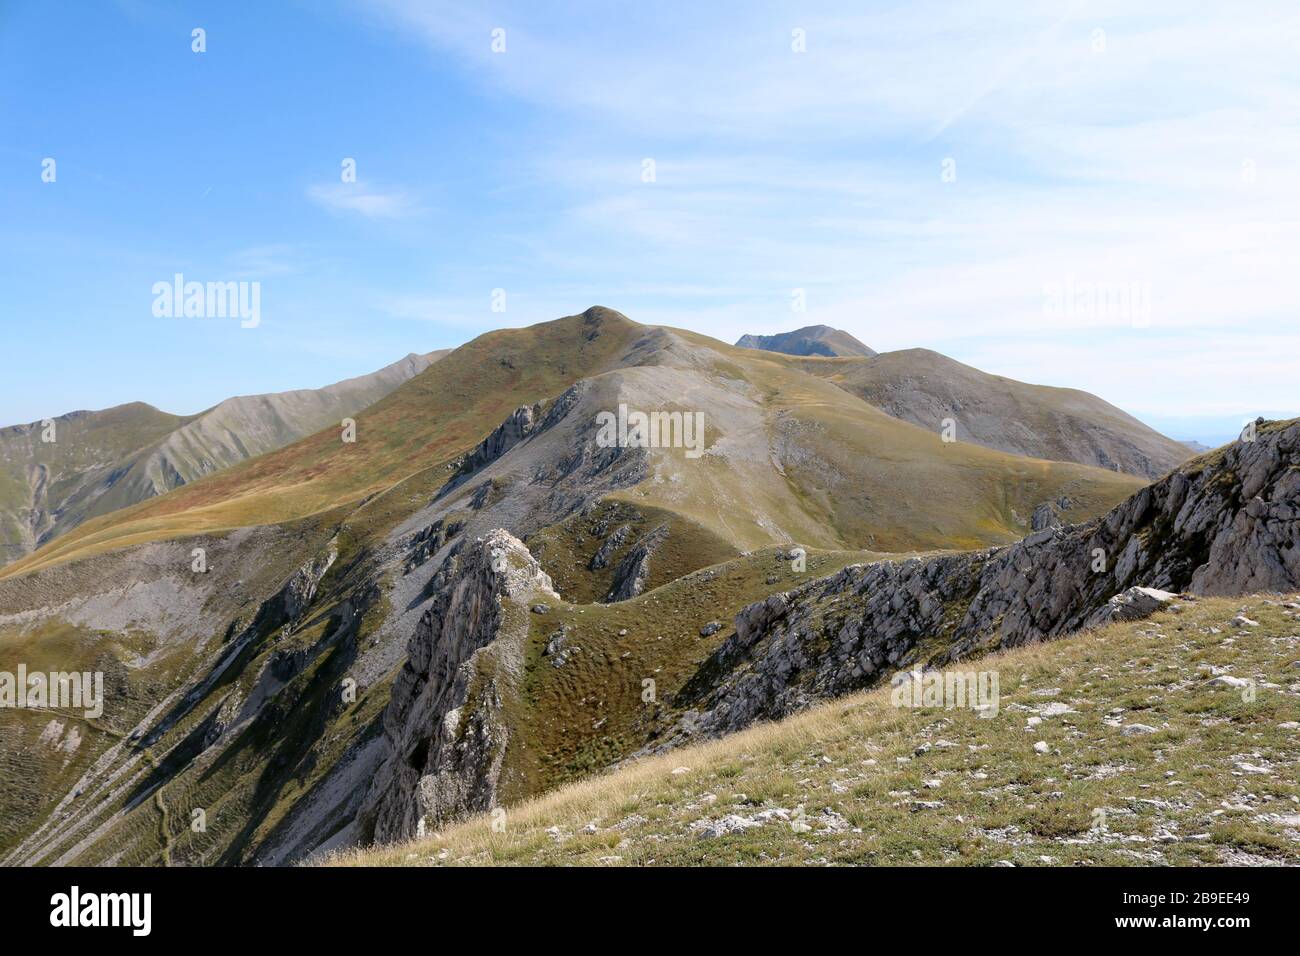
(885, 785)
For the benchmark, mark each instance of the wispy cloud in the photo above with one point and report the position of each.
(273, 259)
(1092, 143)
(364, 200)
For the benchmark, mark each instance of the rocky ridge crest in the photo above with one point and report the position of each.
(1227, 523)
(445, 731)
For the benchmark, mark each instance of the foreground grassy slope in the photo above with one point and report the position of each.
(587, 713)
(1211, 776)
(424, 423)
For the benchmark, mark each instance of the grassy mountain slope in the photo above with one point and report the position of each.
(583, 568)
(791, 457)
(1216, 782)
(103, 461)
(1061, 424)
(426, 422)
(154, 629)
(582, 717)
(34, 473)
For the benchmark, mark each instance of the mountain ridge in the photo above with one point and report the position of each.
(268, 687)
(318, 473)
(934, 391)
(102, 461)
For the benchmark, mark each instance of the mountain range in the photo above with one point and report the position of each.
(56, 474)
(319, 639)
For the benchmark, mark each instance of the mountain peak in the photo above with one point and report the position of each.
(810, 340)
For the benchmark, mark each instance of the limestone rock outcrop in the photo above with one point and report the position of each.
(445, 732)
(634, 570)
(1227, 523)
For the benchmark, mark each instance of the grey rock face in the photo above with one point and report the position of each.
(301, 586)
(1227, 526)
(1044, 516)
(1131, 605)
(557, 648)
(607, 547)
(505, 436)
(444, 731)
(430, 540)
(632, 572)
(523, 423)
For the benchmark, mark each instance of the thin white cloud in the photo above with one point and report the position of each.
(1093, 143)
(273, 259)
(363, 200)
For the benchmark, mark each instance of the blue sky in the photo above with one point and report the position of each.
(1092, 147)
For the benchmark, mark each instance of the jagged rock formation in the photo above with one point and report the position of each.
(521, 423)
(1048, 514)
(632, 572)
(428, 541)
(608, 546)
(1228, 524)
(525, 423)
(301, 586)
(1131, 605)
(444, 730)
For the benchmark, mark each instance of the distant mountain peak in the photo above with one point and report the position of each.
(810, 340)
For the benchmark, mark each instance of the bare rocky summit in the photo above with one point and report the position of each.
(810, 340)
